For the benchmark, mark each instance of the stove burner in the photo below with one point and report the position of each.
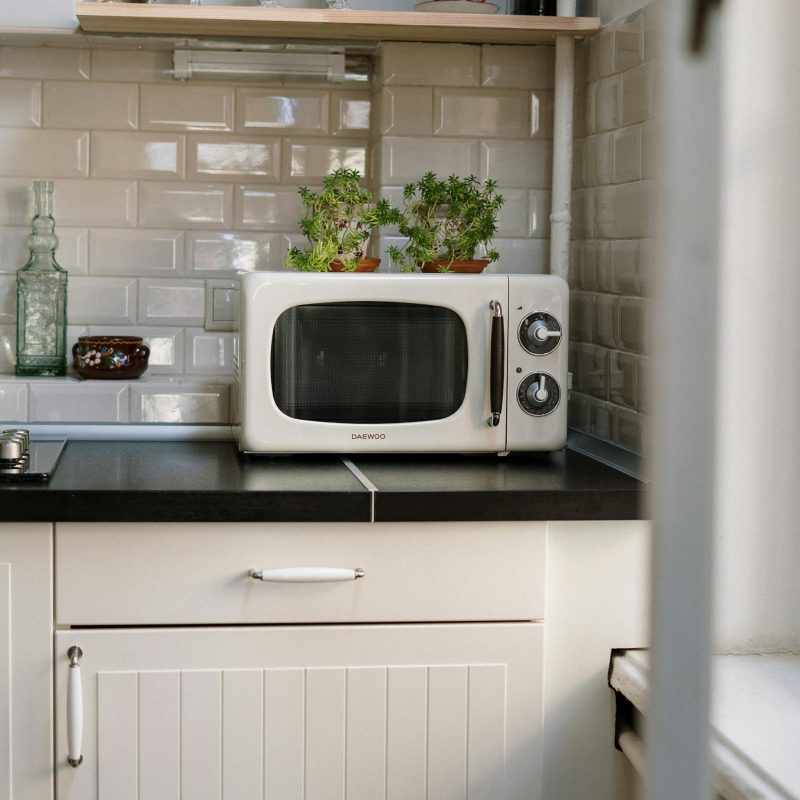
(23, 459)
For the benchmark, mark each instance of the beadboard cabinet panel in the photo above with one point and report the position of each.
(332, 712)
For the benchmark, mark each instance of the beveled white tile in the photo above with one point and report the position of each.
(166, 345)
(629, 42)
(182, 403)
(208, 353)
(109, 106)
(406, 110)
(95, 202)
(22, 104)
(606, 211)
(350, 112)
(56, 154)
(62, 63)
(73, 250)
(598, 159)
(183, 107)
(13, 396)
(513, 221)
(255, 158)
(634, 210)
(180, 302)
(608, 103)
(16, 203)
(601, 53)
(525, 165)
(8, 299)
(192, 205)
(221, 254)
(627, 154)
(648, 130)
(84, 401)
(222, 305)
(513, 67)
(481, 112)
(307, 160)
(541, 114)
(136, 253)
(268, 208)
(13, 247)
(582, 214)
(102, 301)
(131, 65)
(137, 155)
(527, 256)
(267, 109)
(416, 64)
(407, 158)
(637, 94)
(539, 213)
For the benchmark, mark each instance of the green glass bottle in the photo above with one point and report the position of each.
(42, 296)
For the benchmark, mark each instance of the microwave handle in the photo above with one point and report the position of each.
(498, 363)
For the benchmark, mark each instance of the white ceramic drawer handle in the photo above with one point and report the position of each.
(307, 574)
(74, 708)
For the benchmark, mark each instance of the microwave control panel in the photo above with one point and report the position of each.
(538, 394)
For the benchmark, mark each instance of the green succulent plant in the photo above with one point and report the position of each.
(338, 222)
(447, 219)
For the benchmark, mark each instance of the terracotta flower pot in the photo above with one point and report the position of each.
(110, 357)
(473, 266)
(364, 265)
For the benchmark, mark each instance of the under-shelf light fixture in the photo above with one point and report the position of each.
(235, 64)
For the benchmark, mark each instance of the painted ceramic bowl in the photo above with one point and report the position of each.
(110, 357)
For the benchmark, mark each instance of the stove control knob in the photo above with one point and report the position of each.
(538, 394)
(539, 333)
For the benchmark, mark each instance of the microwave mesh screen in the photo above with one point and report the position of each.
(367, 362)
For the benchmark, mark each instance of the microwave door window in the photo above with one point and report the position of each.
(365, 362)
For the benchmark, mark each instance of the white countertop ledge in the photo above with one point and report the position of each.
(755, 720)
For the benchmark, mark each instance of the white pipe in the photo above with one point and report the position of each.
(561, 215)
(631, 745)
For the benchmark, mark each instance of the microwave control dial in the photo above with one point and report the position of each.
(538, 394)
(539, 333)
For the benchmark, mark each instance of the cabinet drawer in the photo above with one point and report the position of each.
(187, 573)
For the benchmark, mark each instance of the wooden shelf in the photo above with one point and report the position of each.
(312, 24)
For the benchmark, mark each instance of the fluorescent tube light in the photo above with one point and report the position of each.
(210, 64)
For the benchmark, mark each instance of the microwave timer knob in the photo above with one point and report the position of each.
(539, 333)
(538, 394)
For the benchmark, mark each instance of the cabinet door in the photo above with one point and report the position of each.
(26, 659)
(396, 712)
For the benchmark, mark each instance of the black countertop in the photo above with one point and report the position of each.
(137, 481)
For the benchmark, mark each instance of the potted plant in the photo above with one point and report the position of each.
(445, 222)
(338, 222)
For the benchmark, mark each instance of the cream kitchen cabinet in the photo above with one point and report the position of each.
(26, 627)
(425, 680)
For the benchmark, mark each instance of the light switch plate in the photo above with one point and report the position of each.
(222, 305)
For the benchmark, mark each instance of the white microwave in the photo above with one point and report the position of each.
(370, 363)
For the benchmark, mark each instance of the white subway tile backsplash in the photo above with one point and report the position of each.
(527, 256)
(407, 159)
(268, 208)
(629, 42)
(101, 301)
(222, 305)
(209, 353)
(601, 54)
(95, 202)
(123, 251)
(171, 302)
(185, 205)
(182, 403)
(8, 344)
(539, 213)
(310, 160)
(13, 396)
(44, 62)
(71, 253)
(606, 211)
(89, 105)
(213, 254)
(271, 110)
(406, 110)
(634, 210)
(22, 104)
(517, 164)
(187, 108)
(137, 155)
(131, 65)
(598, 159)
(412, 64)
(648, 130)
(637, 94)
(608, 103)
(78, 401)
(627, 154)
(350, 112)
(513, 218)
(495, 113)
(541, 104)
(166, 345)
(56, 154)
(514, 67)
(8, 299)
(16, 202)
(217, 157)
